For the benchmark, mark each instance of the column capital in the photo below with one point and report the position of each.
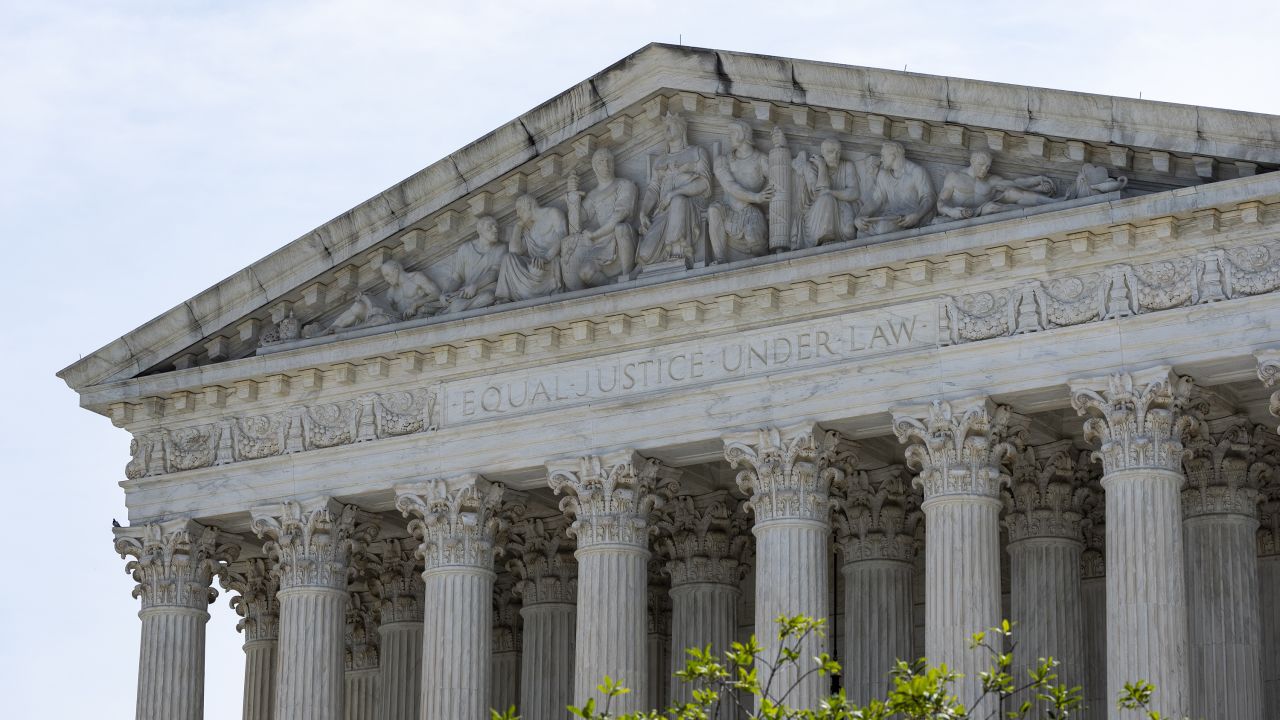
(362, 652)
(611, 496)
(1093, 561)
(1140, 418)
(959, 446)
(174, 562)
(788, 472)
(1269, 373)
(543, 563)
(1045, 498)
(1226, 465)
(506, 616)
(458, 520)
(311, 541)
(877, 516)
(256, 603)
(395, 578)
(700, 542)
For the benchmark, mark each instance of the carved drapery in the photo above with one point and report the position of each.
(311, 542)
(174, 562)
(1139, 418)
(877, 516)
(959, 448)
(789, 472)
(610, 497)
(255, 600)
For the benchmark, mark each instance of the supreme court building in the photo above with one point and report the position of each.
(712, 337)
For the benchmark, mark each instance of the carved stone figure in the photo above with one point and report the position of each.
(1094, 180)
(364, 311)
(830, 196)
(601, 246)
(736, 226)
(902, 194)
(671, 211)
(531, 267)
(473, 269)
(410, 294)
(975, 191)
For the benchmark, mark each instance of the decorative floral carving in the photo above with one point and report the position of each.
(191, 447)
(611, 497)
(1093, 561)
(395, 578)
(700, 541)
(174, 562)
(312, 541)
(256, 603)
(362, 633)
(1140, 418)
(789, 472)
(330, 424)
(543, 563)
(1252, 270)
(877, 516)
(1226, 467)
(506, 616)
(1269, 373)
(458, 520)
(959, 448)
(1045, 499)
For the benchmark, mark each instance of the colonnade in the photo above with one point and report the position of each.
(1176, 546)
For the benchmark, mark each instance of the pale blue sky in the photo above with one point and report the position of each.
(150, 148)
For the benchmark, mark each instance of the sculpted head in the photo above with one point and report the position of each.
(487, 228)
(980, 163)
(525, 207)
(831, 151)
(739, 133)
(391, 271)
(676, 128)
(602, 164)
(891, 155)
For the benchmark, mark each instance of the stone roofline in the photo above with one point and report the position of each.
(1166, 127)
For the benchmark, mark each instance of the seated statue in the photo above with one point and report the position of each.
(975, 191)
(671, 211)
(736, 226)
(902, 194)
(473, 269)
(531, 267)
(830, 195)
(1094, 180)
(601, 246)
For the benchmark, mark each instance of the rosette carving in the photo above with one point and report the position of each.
(959, 448)
(458, 521)
(700, 542)
(1045, 498)
(611, 497)
(1140, 419)
(255, 602)
(877, 516)
(174, 562)
(789, 472)
(1226, 467)
(395, 578)
(312, 541)
(362, 633)
(543, 563)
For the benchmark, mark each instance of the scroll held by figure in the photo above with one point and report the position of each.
(736, 225)
(531, 267)
(601, 245)
(976, 191)
(675, 199)
(902, 194)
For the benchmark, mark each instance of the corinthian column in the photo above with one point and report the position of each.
(959, 448)
(1139, 419)
(362, 659)
(548, 586)
(259, 612)
(1269, 550)
(174, 564)
(506, 645)
(788, 474)
(659, 639)
(876, 521)
(610, 498)
(704, 560)
(311, 542)
(1220, 507)
(1045, 510)
(396, 582)
(458, 523)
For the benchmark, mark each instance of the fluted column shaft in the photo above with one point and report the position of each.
(547, 666)
(877, 626)
(506, 679)
(702, 614)
(1225, 627)
(400, 684)
(1093, 591)
(659, 671)
(310, 679)
(1269, 587)
(612, 623)
(1046, 604)
(260, 659)
(171, 664)
(361, 696)
(457, 638)
(793, 577)
(962, 583)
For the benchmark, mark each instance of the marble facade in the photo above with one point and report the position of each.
(713, 337)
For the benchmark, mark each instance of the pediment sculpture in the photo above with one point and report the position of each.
(733, 202)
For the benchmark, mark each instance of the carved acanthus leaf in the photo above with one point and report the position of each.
(959, 448)
(1140, 419)
(256, 603)
(877, 516)
(1045, 498)
(459, 521)
(789, 472)
(312, 541)
(362, 651)
(542, 562)
(1226, 466)
(700, 540)
(611, 497)
(395, 578)
(174, 562)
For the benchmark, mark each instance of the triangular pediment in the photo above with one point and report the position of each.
(1058, 149)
